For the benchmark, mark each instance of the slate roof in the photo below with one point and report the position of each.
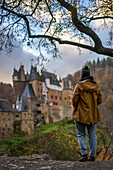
(5, 106)
(31, 91)
(34, 75)
(17, 73)
(51, 76)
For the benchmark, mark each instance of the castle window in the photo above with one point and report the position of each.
(17, 115)
(25, 114)
(55, 97)
(65, 98)
(51, 96)
(9, 119)
(55, 103)
(60, 98)
(69, 97)
(6, 125)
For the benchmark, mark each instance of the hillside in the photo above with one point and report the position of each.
(59, 141)
(6, 92)
(53, 147)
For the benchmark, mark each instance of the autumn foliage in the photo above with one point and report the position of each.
(6, 92)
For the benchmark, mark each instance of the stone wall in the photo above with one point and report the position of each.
(27, 122)
(54, 114)
(67, 98)
(6, 124)
(54, 97)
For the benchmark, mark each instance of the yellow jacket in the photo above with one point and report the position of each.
(85, 100)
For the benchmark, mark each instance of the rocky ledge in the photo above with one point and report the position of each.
(44, 162)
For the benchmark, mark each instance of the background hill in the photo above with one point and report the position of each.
(6, 92)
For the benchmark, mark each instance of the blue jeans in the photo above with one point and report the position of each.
(81, 133)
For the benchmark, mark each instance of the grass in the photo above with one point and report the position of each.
(50, 128)
(4, 143)
(70, 128)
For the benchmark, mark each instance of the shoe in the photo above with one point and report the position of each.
(83, 159)
(91, 158)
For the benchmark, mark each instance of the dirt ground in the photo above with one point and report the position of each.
(37, 162)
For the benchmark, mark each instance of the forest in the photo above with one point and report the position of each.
(100, 63)
(6, 92)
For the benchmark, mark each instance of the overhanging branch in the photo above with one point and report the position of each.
(81, 27)
(104, 17)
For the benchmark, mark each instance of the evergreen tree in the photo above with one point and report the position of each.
(98, 62)
(109, 62)
(103, 63)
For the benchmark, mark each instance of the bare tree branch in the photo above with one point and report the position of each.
(18, 4)
(85, 29)
(103, 17)
(98, 47)
(35, 7)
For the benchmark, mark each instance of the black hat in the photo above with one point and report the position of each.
(85, 72)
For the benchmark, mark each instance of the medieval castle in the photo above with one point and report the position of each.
(36, 96)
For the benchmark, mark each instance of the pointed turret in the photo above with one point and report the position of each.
(15, 75)
(21, 73)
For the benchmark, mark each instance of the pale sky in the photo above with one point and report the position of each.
(71, 60)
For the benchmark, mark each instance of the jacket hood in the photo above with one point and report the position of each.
(88, 85)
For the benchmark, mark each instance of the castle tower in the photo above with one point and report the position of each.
(15, 75)
(22, 73)
(67, 92)
(19, 83)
